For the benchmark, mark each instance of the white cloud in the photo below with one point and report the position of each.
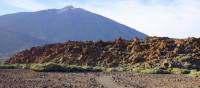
(1, 11)
(29, 5)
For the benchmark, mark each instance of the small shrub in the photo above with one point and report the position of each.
(7, 66)
(21, 66)
(49, 67)
(116, 69)
(54, 67)
(127, 67)
(153, 71)
(137, 69)
(194, 73)
(93, 69)
(178, 71)
(25, 66)
(74, 68)
(149, 71)
(87, 68)
(120, 69)
(37, 67)
(12, 66)
(99, 69)
(184, 58)
(111, 70)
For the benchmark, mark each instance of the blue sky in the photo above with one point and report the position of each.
(172, 18)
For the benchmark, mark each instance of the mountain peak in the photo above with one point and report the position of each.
(68, 7)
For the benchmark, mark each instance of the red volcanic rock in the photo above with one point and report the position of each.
(179, 42)
(151, 51)
(163, 44)
(155, 50)
(120, 43)
(74, 52)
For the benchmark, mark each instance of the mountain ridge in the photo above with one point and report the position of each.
(15, 42)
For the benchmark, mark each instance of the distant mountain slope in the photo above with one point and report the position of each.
(11, 42)
(68, 23)
(59, 25)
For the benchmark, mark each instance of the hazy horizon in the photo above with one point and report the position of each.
(171, 18)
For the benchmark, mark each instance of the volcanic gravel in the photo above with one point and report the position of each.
(20, 78)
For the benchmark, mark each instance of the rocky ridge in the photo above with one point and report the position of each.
(159, 52)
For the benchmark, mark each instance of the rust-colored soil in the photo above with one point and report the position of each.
(18, 78)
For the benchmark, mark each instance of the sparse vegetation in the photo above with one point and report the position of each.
(194, 73)
(14, 66)
(7, 66)
(37, 67)
(49, 67)
(115, 69)
(137, 69)
(99, 68)
(154, 71)
(183, 58)
(53, 67)
(178, 71)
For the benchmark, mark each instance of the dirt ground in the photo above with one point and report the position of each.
(18, 78)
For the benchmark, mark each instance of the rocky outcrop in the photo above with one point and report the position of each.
(159, 52)
(166, 52)
(76, 52)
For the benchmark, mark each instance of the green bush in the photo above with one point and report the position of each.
(7, 66)
(184, 58)
(194, 73)
(88, 68)
(13, 66)
(149, 71)
(74, 68)
(153, 71)
(99, 69)
(53, 67)
(25, 66)
(127, 67)
(48, 67)
(137, 69)
(37, 67)
(93, 69)
(178, 71)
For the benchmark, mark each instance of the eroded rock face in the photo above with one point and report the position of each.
(153, 51)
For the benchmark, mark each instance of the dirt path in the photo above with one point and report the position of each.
(107, 82)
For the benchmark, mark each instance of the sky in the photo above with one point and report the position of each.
(165, 18)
